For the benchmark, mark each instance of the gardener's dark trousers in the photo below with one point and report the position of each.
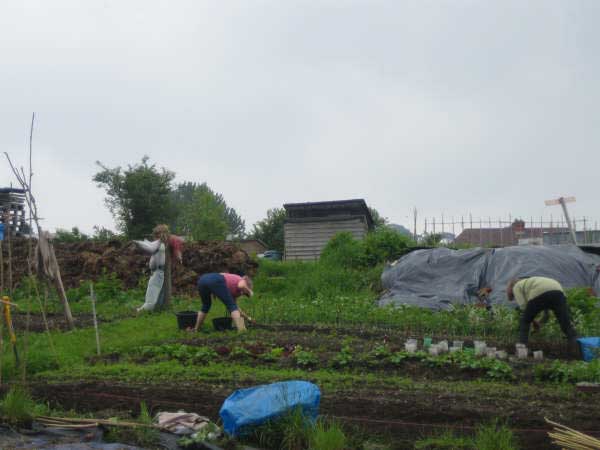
(551, 300)
(214, 284)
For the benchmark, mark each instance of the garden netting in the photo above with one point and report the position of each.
(440, 278)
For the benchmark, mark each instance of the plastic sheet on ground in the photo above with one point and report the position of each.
(43, 438)
(250, 407)
(440, 278)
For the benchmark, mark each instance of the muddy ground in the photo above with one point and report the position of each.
(403, 415)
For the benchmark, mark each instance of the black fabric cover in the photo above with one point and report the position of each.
(439, 278)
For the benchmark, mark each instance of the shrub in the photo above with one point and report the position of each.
(345, 251)
(384, 245)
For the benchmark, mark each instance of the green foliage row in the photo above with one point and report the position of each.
(379, 246)
(569, 372)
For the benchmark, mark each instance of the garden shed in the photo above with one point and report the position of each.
(309, 226)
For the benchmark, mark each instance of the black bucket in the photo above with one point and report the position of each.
(186, 319)
(223, 323)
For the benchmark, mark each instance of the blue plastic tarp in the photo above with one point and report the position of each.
(590, 348)
(254, 406)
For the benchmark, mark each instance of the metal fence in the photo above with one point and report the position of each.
(512, 231)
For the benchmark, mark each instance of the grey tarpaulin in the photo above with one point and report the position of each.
(438, 278)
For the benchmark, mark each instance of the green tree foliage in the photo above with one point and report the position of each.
(70, 236)
(203, 217)
(384, 245)
(378, 220)
(379, 246)
(103, 234)
(186, 195)
(138, 197)
(270, 229)
(345, 251)
(432, 239)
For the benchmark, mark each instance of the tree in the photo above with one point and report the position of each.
(186, 196)
(74, 235)
(378, 220)
(138, 197)
(203, 218)
(270, 229)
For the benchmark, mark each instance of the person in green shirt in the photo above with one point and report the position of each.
(536, 294)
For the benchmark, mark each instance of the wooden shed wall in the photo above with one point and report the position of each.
(252, 247)
(305, 240)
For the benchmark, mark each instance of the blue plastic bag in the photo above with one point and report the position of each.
(254, 406)
(590, 348)
(1, 231)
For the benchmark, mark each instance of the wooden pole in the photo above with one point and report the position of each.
(415, 223)
(1, 270)
(93, 298)
(9, 255)
(168, 274)
(1, 322)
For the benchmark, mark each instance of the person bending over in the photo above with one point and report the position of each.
(227, 287)
(537, 294)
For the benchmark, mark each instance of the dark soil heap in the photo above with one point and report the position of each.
(89, 260)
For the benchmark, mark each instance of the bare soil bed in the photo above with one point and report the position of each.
(404, 415)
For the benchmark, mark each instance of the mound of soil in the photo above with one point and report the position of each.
(90, 260)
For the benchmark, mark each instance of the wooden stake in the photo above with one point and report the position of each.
(168, 286)
(93, 298)
(9, 260)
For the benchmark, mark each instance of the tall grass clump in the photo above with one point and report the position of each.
(327, 436)
(290, 431)
(492, 436)
(295, 431)
(17, 407)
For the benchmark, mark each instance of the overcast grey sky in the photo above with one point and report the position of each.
(489, 107)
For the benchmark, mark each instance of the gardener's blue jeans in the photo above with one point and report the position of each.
(214, 284)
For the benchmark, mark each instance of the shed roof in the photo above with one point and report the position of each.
(352, 207)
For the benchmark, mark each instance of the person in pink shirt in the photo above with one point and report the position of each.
(227, 287)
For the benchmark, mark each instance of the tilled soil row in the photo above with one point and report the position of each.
(405, 415)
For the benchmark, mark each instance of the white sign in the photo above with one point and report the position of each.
(558, 201)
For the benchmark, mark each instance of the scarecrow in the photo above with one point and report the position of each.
(158, 290)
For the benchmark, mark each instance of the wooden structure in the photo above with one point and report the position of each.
(12, 202)
(309, 226)
(253, 246)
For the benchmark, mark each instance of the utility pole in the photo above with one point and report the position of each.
(562, 201)
(415, 222)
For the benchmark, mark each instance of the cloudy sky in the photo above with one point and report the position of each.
(455, 107)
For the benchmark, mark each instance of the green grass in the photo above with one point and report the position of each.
(294, 431)
(493, 436)
(17, 407)
(327, 436)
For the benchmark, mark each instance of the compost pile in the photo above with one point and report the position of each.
(90, 260)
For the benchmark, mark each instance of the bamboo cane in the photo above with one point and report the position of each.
(93, 298)
(570, 439)
(68, 420)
